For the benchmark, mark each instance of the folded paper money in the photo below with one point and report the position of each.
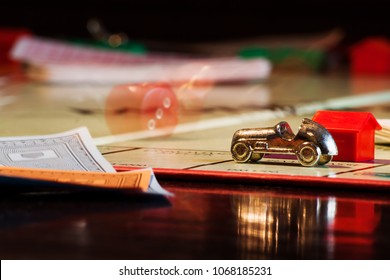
(69, 157)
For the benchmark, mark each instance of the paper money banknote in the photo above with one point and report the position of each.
(70, 157)
(142, 180)
(69, 150)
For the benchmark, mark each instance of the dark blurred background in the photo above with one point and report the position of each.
(189, 21)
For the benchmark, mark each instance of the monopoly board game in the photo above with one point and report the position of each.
(197, 147)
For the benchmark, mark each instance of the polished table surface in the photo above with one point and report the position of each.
(204, 219)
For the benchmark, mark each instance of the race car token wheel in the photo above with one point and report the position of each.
(324, 159)
(308, 154)
(241, 152)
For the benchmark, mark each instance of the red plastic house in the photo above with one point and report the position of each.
(353, 132)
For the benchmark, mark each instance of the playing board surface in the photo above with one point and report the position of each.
(191, 134)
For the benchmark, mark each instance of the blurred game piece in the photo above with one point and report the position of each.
(371, 56)
(312, 145)
(354, 133)
(7, 39)
(150, 107)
